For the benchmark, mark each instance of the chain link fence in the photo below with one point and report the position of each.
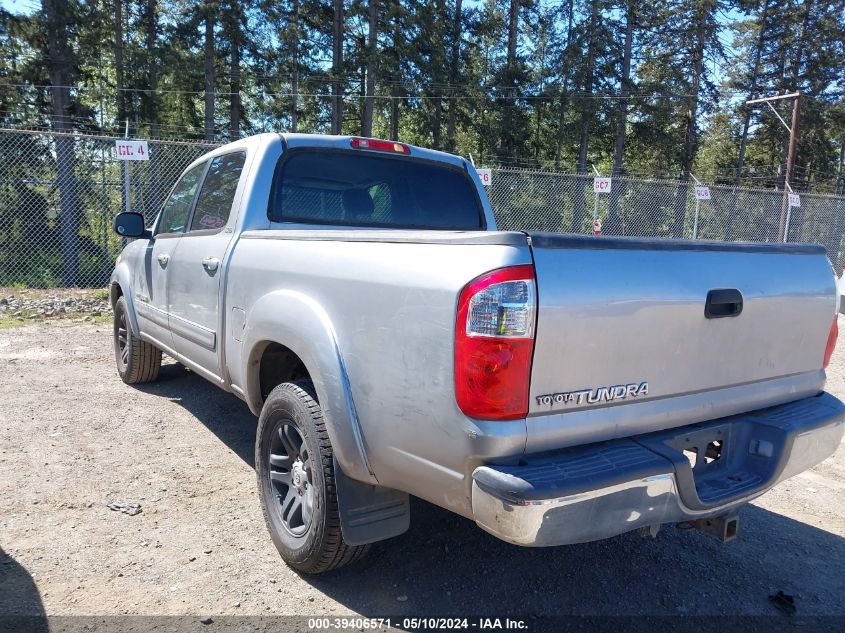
(60, 192)
(542, 201)
(58, 196)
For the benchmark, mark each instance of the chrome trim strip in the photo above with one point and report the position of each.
(189, 330)
(194, 332)
(151, 313)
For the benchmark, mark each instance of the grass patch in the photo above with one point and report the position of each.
(9, 323)
(78, 318)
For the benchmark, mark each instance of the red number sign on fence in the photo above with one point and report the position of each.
(601, 185)
(131, 150)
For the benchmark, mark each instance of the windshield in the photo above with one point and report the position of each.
(367, 189)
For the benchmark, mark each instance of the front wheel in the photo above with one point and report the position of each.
(137, 361)
(295, 468)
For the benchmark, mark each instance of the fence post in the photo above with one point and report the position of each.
(786, 224)
(681, 195)
(104, 219)
(697, 206)
(695, 220)
(595, 208)
(788, 211)
(127, 198)
(68, 204)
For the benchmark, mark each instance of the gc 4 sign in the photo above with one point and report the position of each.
(601, 185)
(794, 200)
(702, 192)
(486, 176)
(131, 150)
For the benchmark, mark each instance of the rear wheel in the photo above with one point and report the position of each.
(137, 361)
(295, 468)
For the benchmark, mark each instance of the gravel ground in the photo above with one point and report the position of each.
(39, 304)
(73, 439)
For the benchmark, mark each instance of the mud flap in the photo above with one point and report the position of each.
(369, 513)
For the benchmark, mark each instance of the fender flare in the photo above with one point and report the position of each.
(122, 278)
(298, 322)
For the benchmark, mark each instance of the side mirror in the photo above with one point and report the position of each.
(130, 225)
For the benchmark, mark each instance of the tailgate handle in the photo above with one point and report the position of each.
(724, 302)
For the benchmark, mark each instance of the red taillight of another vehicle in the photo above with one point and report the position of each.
(831, 341)
(494, 343)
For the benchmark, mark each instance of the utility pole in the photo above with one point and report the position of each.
(783, 227)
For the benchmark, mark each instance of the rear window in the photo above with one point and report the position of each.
(364, 189)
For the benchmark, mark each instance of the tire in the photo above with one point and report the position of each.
(299, 498)
(137, 361)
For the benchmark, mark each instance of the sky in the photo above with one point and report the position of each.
(20, 6)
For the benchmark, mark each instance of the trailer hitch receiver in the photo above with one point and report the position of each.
(725, 527)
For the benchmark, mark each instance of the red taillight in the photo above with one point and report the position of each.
(380, 146)
(494, 344)
(831, 341)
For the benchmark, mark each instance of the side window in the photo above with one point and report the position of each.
(218, 192)
(175, 212)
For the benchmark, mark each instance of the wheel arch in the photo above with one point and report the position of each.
(120, 286)
(278, 364)
(295, 331)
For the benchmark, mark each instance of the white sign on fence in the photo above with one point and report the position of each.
(702, 192)
(794, 200)
(486, 176)
(131, 150)
(601, 185)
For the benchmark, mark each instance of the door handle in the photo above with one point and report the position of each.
(721, 303)
(210, 264)
(163, 259)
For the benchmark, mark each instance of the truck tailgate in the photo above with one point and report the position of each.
(624, 344)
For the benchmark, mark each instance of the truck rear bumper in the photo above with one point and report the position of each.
(601, 490)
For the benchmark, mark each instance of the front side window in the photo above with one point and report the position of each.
(175, 212)
(362, 188)
(214, 203)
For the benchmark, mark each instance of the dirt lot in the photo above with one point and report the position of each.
(74, 438)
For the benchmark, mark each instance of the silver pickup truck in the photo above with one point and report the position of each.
(554, 389)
